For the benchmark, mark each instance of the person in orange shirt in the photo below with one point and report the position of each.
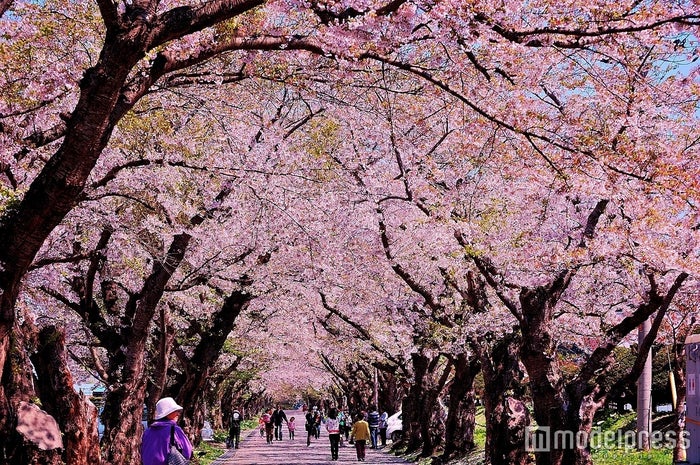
(360, 434)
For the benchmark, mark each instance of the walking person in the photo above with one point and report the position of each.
(291, 426)
(318, 419)
(360, 434)
(269, 426)
(333, 428)
(345, 425)
(278, 417)
(373, 421)
(383, 425)
(234, 430)
(342, 419)
(164, 432)
(310, 427)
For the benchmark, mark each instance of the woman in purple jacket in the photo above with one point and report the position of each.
(156, 439)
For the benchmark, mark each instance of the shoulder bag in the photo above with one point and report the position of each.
(175, 456)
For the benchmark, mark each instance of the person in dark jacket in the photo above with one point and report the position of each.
(278, 416)
(234, 430)
(155, 443)
(373, 422)
(310, 427)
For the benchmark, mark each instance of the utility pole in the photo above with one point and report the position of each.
(692, 418)
(644, 394)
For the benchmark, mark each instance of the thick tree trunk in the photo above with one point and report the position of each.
(40, 441)
(411, 404)
(461, 414)
(422, 414)
(418, 405)
(506, 418)
(583, 425)
(125, 397)
(190, 390)
(390, 392)
(76, 416)
(432, 429)
(549, 397)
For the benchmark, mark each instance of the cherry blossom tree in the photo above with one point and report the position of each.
(563, 106)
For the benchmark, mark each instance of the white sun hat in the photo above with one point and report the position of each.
(165, 407)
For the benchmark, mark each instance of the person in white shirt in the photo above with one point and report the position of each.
(333, 428)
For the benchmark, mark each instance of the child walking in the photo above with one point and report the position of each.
(269, 426)
(292, 426)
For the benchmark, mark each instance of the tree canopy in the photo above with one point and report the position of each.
(225, 197)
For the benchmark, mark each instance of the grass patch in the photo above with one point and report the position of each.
(610, 424)
(207, 452)
(632, 457)
(480, 428)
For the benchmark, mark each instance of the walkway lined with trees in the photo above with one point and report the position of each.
(254, 450)
(409, 203)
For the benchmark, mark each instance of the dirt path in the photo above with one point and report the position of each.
(254, 450)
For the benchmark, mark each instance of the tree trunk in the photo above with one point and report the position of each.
(125, 396)
(461, 414)
(431, 411)
(505, 418)
(421, 411)
(76, 416)
(390, 391)
(17, 395)
(537, 351)
(190, 390)
(414, 405)
(583, 425)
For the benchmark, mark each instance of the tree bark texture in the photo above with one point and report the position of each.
(125, 396)
(18, 395)
(505, 420)
(75, 414)
(412, 404)
(461, 413)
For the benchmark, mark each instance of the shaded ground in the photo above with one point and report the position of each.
(254, 450)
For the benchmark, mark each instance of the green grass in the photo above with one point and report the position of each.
(632, 457)
(207, 452)
(612, 425)
(480, 429)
